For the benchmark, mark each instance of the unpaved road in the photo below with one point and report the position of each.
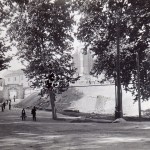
(46, 134)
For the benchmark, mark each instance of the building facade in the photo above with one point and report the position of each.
(16, 77)
(15, 84)
(83, 62)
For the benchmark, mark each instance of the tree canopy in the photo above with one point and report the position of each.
(4, 60)
(42, 32)
(98, 30)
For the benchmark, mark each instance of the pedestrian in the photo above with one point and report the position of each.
(7, 102)
(4, 104)
(2, 107)
(23, 114)
(14, 98)
(33, 112)
(10, 105)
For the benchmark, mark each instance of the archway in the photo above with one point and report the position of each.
(12, 90)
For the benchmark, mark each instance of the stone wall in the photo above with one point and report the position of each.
(101, 99)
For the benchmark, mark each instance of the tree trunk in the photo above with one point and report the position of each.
(52, 101)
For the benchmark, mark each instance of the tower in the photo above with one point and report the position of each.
(83, 63)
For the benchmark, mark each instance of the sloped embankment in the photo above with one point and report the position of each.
(33, 100)
(63, 101)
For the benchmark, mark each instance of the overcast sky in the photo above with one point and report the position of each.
(14, 64)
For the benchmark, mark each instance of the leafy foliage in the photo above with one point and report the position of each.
(43, 34)
(3, 59)
(3, 48)
(98, 30)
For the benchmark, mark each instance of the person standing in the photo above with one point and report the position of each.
(4, 104)
(14, 98)
(23, 114)
(9, 105)
(2, 107)
(33, 112)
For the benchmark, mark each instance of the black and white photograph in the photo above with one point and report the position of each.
(74, 74)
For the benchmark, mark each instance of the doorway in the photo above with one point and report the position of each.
(12, 93)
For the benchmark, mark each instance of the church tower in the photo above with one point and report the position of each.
(83, 63)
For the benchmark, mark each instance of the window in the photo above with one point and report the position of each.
(14, 78)
(8, 79)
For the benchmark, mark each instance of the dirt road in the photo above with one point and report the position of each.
(47, 134)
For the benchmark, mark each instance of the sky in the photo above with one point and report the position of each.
(14, 64)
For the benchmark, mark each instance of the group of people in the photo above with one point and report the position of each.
(33, 112)
(5, 103)
(23, 113)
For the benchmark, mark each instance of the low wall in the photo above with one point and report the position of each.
(101, 99)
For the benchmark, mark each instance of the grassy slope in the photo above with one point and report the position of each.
(63, 101)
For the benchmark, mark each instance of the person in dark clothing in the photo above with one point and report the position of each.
(4, 104)
(14, 98)
(2, 107)
(10, 105)
(23, 114)
(33, 112)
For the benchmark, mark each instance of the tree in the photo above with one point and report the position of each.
(98, 30)
(4, 60)
(42, 31)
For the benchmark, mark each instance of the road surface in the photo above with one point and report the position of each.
(47, 134)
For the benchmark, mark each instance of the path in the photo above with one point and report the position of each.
(47, 134)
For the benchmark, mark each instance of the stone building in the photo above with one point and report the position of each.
(16, 77)
(15, 84)
(84, 64)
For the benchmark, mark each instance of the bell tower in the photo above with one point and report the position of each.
(83, 62)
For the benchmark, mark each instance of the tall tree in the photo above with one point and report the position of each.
(4, 60)
(98, 30)
(42, 32)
